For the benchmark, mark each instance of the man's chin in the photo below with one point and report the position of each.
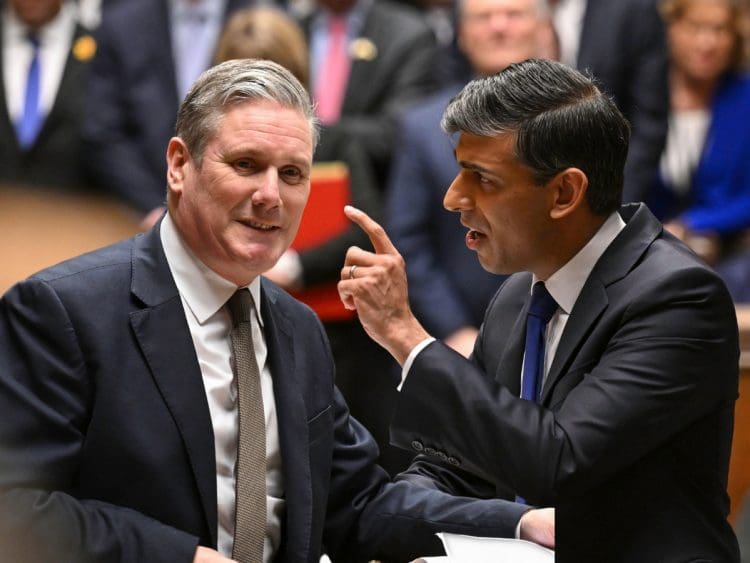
(492, 267)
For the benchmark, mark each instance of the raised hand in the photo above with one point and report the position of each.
(374, 283)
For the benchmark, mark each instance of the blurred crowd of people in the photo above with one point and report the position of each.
(90, 91)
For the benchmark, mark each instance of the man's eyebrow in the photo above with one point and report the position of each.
(476, 167)
(471, 165)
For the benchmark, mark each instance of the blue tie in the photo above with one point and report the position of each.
(31, 118)
(541, 309)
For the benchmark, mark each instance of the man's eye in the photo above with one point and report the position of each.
(291, 175)
(244, 164)
(481, 177)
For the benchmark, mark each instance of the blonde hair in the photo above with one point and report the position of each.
(263, 32)
(674, 10)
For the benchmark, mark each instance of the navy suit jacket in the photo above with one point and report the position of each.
(55, 159)
(719, 196)
(623, 45)
(132, 101)
(106, 446)
(382, 83)
(448, 288)
(632, 437)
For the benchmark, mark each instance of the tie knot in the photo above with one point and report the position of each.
(542, 305)
(240, 306)
(33, 38)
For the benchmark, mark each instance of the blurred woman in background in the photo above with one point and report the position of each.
(703, 192)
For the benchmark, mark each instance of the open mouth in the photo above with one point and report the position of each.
(473, 238)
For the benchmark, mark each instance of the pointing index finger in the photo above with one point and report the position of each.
(380, 241)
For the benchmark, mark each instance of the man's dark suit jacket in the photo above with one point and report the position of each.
(623, 45)
(632, 438)
(55, 159)
(106, 445)
(132, 101)
(382, 82)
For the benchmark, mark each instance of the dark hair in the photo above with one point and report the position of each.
(560, 119)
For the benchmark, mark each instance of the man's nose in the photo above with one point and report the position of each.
(266, 192)
(499, 21)
(455, 199)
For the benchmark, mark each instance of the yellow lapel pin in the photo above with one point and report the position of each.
(84, 48)
(363, 49)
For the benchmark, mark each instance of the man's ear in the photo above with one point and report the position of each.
(569, 189)
(178, 158)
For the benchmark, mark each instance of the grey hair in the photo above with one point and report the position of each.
(232, 82)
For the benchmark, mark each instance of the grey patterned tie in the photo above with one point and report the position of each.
(250, 501)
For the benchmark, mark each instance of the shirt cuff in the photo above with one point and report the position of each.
(411, 357)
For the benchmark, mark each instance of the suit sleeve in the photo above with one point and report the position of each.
(670, 360)
(46, 399)
(721, 183)
(115, 159)
(369, 518)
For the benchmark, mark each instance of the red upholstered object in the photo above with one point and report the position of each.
(322, 220)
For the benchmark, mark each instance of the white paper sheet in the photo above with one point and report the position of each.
(470, 549)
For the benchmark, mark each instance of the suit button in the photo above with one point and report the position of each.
(417, 445)
(454, 461)
(430, 451)
(442, 455)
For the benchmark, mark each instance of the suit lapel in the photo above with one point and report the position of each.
(69, 88)
(359, 86)
(620, 257)
(511, 361)
(7, 130)
(293, 431)
(591, 302)
(164, 338)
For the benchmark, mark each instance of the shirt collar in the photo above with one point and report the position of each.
(566, 283)
(204, 291)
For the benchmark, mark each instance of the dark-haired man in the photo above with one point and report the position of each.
(613, 398)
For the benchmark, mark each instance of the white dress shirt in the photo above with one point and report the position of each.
(567, 18)
(204, 294)
(55, 40)
(686, 137)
